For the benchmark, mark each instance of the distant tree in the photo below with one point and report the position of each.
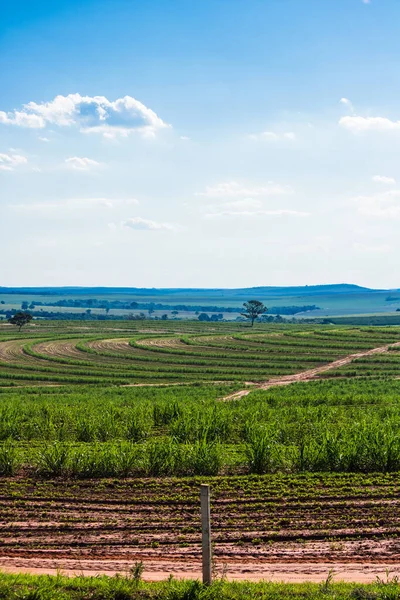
(164, 317)
(25, 305)
(20, 319)
(140, 317)
(253, 309)
(203, 317)
(174, 312)
(150, 311)
(32, 305)
(2, 302)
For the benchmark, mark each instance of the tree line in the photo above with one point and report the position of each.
(252, 310)
(151, 307)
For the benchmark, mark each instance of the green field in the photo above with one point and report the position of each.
(107, 430)
(147, 400)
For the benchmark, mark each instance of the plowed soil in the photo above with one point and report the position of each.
(290, 528)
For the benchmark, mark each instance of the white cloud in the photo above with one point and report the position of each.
(94, 114)
(248, 207)
(274, 137)
(233, 189)
(22, 119)
(366, 1)
(383, 179)
(44, 139)
(359, 124)
(283, 212)
(346, 102)
(8, 162)
(385, 205)
(146, 224)
(81, 164)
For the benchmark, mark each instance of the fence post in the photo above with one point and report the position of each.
(206, 533)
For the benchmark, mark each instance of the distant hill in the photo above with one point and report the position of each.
(335, 300)
(311, 290)
(262, 291)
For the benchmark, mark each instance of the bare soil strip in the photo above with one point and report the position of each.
(310, 374)
(160, 570)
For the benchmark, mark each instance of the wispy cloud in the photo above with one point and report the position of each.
(74, 205)
(346, 102)
(146, 224)
(8, 162)
(357, 124)
(233, 189)
(385, 205)
(94, 114)
(371, 248)
(81, 164)
(383, 179)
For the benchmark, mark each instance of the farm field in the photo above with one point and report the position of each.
(262, 526)
(107, 431)
(192, 352)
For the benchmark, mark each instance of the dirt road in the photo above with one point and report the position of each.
(310, 374)
(289, 572)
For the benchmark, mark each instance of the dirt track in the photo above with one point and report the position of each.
(234, 571)
(310, 373)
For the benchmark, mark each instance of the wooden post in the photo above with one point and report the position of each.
(206, 533)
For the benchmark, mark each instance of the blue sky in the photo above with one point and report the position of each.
(213, 143)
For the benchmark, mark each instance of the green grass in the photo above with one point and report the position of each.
(130, 587)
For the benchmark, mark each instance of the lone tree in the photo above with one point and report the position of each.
(253, 309)
(20, 319)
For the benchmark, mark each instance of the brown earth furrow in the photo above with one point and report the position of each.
(67, 530)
